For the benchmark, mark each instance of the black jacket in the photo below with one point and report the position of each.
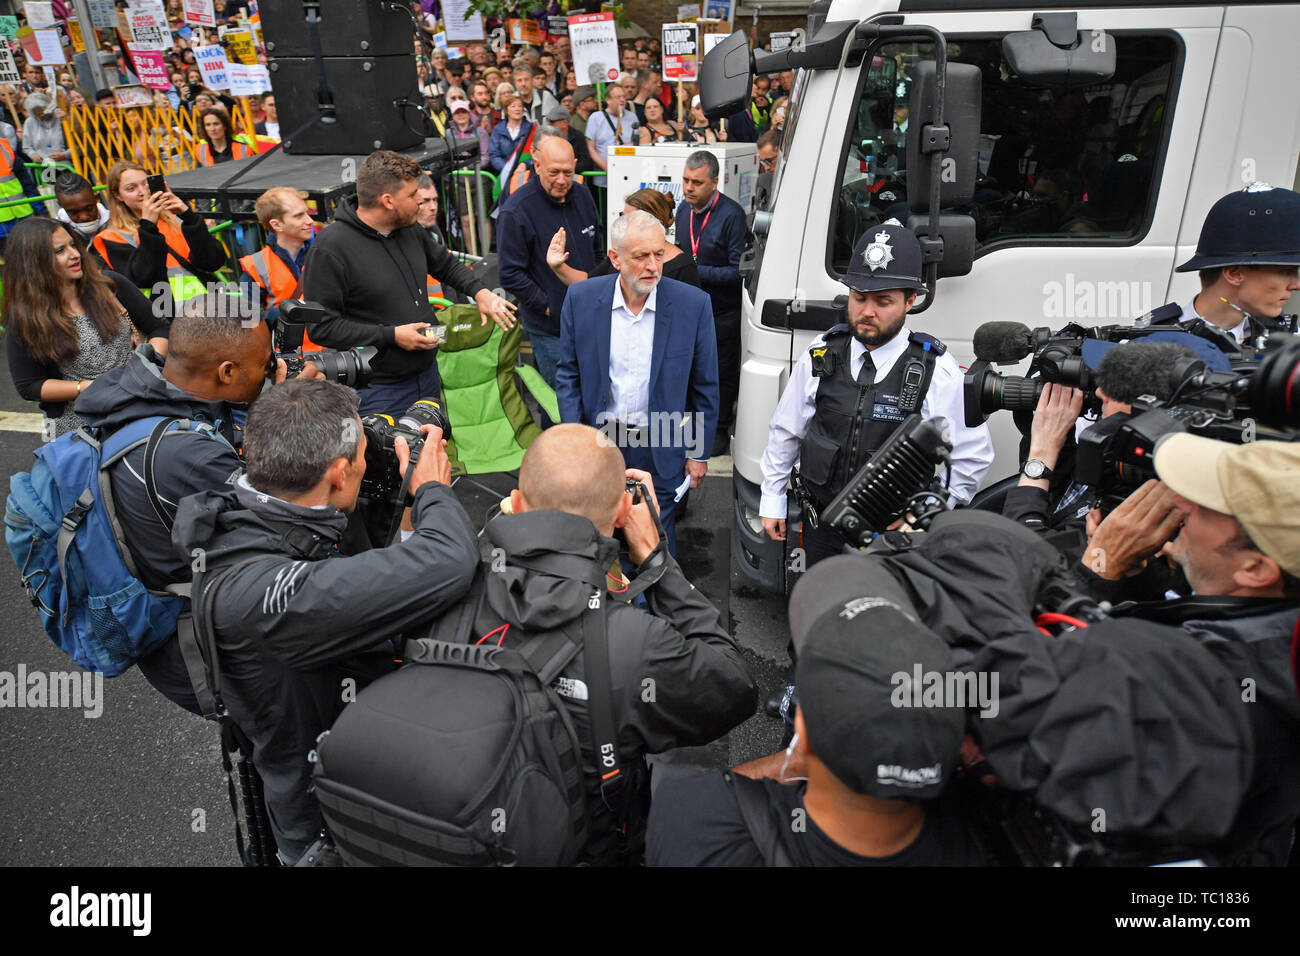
(370, 283)
(1126, 715)
(285, 625)
(678, 679)
(29, 373)
(191, 464)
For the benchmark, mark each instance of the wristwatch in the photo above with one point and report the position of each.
(1034, 468)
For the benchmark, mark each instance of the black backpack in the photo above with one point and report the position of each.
(466, 756)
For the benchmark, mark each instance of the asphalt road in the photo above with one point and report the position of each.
(142, 785)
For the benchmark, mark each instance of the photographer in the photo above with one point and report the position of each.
(291, 612)
(213, 366)
(1044, 499)
(571, 498)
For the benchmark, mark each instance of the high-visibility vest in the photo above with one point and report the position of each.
(237, 151)
(433, 287)
(10, 187)
(269, 271)
(184, 285)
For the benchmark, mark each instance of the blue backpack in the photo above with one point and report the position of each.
(61, 528)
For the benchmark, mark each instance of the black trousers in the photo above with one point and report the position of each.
(727, 327)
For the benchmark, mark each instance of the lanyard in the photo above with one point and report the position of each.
(695, 240)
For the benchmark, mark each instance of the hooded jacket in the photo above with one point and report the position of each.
(1143, 719)
(678, 680)
(288, 623)
(191, 463)
(370, 283)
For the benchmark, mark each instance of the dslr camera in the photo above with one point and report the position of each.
(383, 480)
(349, 367)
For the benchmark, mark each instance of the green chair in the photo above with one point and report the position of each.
(491, 424)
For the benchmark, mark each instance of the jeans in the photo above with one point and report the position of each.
(546, 349)
(396, 397)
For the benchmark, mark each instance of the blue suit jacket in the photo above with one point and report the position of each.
(683, 367)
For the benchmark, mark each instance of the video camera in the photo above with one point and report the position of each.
(349, 367)
(1117, 454)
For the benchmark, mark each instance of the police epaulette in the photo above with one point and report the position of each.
(840, 329)
(924, 338)
(1166, 314)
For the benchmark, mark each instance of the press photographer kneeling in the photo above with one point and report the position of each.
(287, 613)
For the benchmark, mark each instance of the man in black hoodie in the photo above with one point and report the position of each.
(369, 269)
(292, 614)
(678, 679)
(213, 363)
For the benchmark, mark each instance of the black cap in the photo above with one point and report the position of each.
(862, 662)
(886, 257)
(1255, 226)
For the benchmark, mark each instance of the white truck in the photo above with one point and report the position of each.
(1105, 132)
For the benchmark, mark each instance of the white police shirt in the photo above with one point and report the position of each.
(1239, 334)
(972, 448)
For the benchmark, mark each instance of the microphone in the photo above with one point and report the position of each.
(1003, 342)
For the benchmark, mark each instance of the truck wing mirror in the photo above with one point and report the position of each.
(1055, 54)
(726, 77)
(957, 138)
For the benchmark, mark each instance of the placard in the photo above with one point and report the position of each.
(241, 46)
(41, 47)
(200, 12)
(248, 80)
(781, 40)
(557, 26)
(680, 52)
(711, 40)
(8, 68)
(132, 94)
(461, 22)
(151, 67)
(212, 63)
(718, 9)
(593, 40)
(74, 34)
(40, 16)
(524, 31)
(688, 12)
(103, 14)
(149, 30)
(9, 28)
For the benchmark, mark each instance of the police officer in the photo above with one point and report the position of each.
(849, 391)
(1248, 258)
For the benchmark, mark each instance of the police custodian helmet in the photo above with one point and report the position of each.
(886, 257)
(1256, 226)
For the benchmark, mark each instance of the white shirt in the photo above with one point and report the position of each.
(972, 448)
(1239, 334)
(631, 343)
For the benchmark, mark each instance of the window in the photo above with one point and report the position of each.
(1055, 166)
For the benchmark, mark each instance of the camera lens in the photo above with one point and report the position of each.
(426, 412)
(1274, 389)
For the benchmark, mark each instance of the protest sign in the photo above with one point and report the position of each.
(593, 41)
(212, 63)
(461, 22)
(8, 68)
(200, 12)
(248, 80)
(680, 50)
(151, 67)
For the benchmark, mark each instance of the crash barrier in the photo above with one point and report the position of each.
(160, 139)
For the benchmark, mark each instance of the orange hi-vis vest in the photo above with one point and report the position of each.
(237, 151)
(269, 271)
(184, 285)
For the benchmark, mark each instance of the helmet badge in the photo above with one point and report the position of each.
(878, 254)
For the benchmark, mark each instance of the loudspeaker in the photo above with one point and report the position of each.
(367, 92)
(356, 28)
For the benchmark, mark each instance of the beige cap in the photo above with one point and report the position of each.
(1258, 483)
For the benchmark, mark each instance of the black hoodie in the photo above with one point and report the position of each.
(370, 283)
(678, 679)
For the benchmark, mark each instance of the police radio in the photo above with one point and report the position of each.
(909, 399)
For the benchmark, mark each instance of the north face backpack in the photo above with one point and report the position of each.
(466, 756)
(61, 528)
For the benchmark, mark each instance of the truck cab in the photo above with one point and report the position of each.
(1088, 192)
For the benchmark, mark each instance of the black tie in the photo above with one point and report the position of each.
(867, 374)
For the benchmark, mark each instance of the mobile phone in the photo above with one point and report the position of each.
(156, 183)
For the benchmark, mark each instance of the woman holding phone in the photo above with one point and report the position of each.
(154, 239)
